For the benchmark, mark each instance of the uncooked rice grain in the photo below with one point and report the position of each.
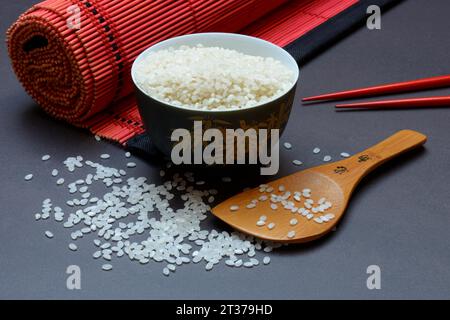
(107, 267)
(131, 164)
(211, 78)
(170, 232)
(287, 145)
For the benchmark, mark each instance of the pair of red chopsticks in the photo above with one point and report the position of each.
(407, 86)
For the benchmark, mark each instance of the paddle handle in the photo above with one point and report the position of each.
(350, 171)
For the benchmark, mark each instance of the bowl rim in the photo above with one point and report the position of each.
(217, 34)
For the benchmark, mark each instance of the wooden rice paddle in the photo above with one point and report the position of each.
(335, 181)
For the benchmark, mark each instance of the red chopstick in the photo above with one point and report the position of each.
(432, 102)
(407, 86)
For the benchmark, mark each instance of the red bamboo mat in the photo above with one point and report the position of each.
(82, 75)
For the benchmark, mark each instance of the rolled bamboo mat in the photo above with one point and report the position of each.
(82, 75)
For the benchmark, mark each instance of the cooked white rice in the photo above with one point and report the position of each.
(211, 77)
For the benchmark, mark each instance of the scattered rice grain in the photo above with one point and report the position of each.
(287, 145)
(107, 267)
(49, 234)
(260, 223)
(291, 234)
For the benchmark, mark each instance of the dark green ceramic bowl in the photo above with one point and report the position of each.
(161, 118)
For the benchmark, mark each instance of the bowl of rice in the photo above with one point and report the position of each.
(224, 80)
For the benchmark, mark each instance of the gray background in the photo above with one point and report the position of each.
(398, 218)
